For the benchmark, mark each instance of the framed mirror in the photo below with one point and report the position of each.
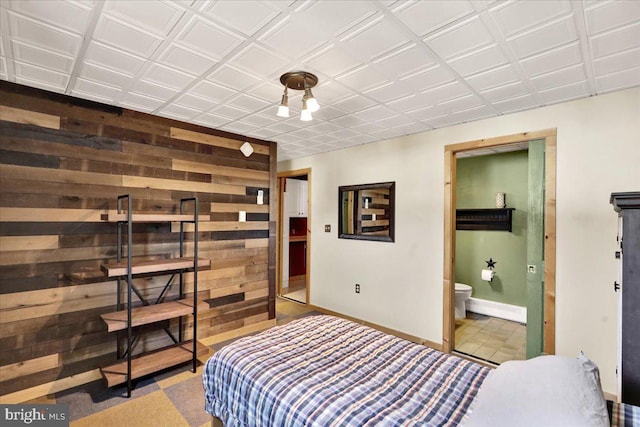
(366, 212)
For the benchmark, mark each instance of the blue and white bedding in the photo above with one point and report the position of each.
(326, 371)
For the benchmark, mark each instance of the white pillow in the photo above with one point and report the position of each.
(544, 391)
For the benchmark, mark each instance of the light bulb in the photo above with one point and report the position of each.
(313, 105)
(305, 115)
(283, 111)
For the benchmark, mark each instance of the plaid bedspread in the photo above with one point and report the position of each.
(623, 415)
(326, 371)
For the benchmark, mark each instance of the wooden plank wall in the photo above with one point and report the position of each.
(63, 162)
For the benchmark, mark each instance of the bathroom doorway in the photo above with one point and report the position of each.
(293, 235)
(540, 329)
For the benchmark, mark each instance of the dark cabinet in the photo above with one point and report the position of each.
(297, 247)
(628, 207)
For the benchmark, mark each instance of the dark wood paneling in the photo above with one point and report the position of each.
(63, 162)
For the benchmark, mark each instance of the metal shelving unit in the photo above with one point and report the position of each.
(127, 317)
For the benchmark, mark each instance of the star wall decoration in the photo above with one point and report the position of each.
(491, 263)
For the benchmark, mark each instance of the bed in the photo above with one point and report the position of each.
(328, 371)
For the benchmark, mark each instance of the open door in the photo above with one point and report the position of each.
(535, 250)
(545, 267)
(294, 235)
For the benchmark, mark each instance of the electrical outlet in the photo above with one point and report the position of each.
(357, 288)
(327, 228)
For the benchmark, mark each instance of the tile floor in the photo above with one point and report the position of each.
(489, 338)
(172, 398)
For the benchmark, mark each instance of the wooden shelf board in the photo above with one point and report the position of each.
(297, 238)
(151, 313)
(151, 362)
(154, 266)
(122, 217)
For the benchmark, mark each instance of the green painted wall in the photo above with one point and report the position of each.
(478, 179)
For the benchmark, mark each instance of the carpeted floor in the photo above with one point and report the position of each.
(172, 398)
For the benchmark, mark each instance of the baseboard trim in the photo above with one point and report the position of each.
(501, 310)
(384, 329)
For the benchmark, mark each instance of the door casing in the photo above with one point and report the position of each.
(450, 153)
(279, 227)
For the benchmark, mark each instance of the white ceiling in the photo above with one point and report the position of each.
(386, 68)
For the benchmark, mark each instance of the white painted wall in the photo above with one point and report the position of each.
(598, 153)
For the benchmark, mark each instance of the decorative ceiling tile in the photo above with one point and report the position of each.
(604, 16)
(493, 78)
(212, 91)
(230, 112)
(349, 120)
(105, 76)
(334, 18)
(379, 112)
(333, 61)
(207, 38)
(248, 102)
(385, 67)
(113, 59)
(479, 61)
(245, 16)
(459, 39)
(295, 38)
(507, 91)
(66, 15)
(617, 62)
(430, 78)
(97, 89)
(565, 93)
(42, 75)
(375, 39)
(390, 91)
(233, 78)
(516, 17)
(195, 102)
(519, 103)
(145, 102)
(162, 75)
(353, 103)
(158, 19)
(211, 120)
(258, 61)
(39, 34)
(186, 60)
(404, 61)
(153, 90)
(42, 57)
(123, 36)
(615, 41)
(560, 78)
(424, 17)
(617, 81)
(362, 79)
(550, 36)
(552, 60)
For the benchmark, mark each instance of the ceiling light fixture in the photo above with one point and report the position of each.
(299, 80)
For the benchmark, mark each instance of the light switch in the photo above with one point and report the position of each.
(327, 228)
(260, 197)
(242, 216)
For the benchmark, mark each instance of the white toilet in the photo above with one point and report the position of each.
(463, 293)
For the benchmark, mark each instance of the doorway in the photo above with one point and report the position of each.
(546, 269)
(294, 188)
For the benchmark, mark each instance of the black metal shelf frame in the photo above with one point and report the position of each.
(132, 340)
